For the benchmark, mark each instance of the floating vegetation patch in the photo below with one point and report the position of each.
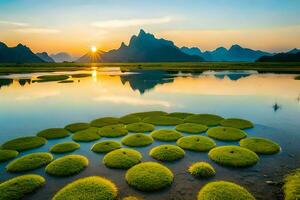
(167, 153)
(140, 127)
(149, 176)
(53, 133)
(260, 145)
(122, 158)
(143, 115)
(66, 81)
(105, 146)
(116, 130)
(163, 120)
(233, 156)
(24, 143)
(80, 75)
(77, 127)
(297, 78)
(64, 147)
(201, 170)
(132, 198)
(166, 135)
(49, 78)
(6, 154)
(205, 119)
(137, 140)
(196, 143)
(226, 133)
(191, 128)
(291, 187)
(88, 135)
(237, 123)
(104, 121)
(129, 119)
(180, 115)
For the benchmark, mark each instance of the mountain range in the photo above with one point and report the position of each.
(282, 57)
(45, 57)
(62, 57)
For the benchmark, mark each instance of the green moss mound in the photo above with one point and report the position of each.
(233, 156)
(116, 130)
(80, 75)
(149, 176)
(297, 78)
(77, 127)
(140, 127)
(122, 158)
(105, 146)
(132, 198)
(205, 119)
(166, 135)
(88, 135)
(180, 115)
(191, 128)
(196, 143)
(93, 187)
(7, 154)
(24, 143)
(143, 115)
(260, 145)
(222, 190)
(104, 121)
(47, 78)
(226, 133)
(202, 170)
(167, 153)
(20, 186)
(29, 162)
(237, 123)
(64, 147)
(137, 140)
(53, 133)
(67, 165)
(291, 187)
(163, 120)
(129, 119)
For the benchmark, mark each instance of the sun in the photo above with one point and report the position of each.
(93, 49)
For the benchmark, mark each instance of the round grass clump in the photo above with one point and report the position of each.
(137, 140)
(237, 123)
(53, 133)
(191, 128)
(64, 147)
(18, 187)
(180, 115)
(140, 127)
(129, 119)
(163, 120)
(167, 153)
(166, 135)
(205, 119)
(77, 127)
(226, 133)
(116, 130)
(149, 176)
(196, 143)
(233, 156)
(104, 121)
(6, 154)
(223, 190)
(88, 135)
(202, 170)
(67, 165)
(47, 78)
(291, 187)
(105, 146)
(93, 187)
(260, 145)
(132, 198)
(29, 162)
(143, 115)
(24, 143)
(122, 158)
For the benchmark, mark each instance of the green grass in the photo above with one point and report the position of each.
(132, 198)
(122, 158)
(49, 78)
(93, 187)
(260, 145)
(129, 119)
(237, 123)
(204, 119)
(104, 121)
(143, 115)
(166, 135)
(18, 187)
(191, 128)
(196, 143)
(53, 133)
(233, 156)
(111, 131)
(6, 154)
(29, 162)
(149, 176)
(167, 153)
(24, 143)
(223, 190)
(180, 115)
(291, 187)
(140, 127)
(66, 81)
(226, 133)
(137, 140)
(297, 78)
(81, 75)
(77, 127)
(88, 135)
(67, 165)
(201, 170)
(105, 146)
(64, 147)
(163, 120)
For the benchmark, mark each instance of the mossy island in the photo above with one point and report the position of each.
(237, 123)
(191, 128)
(6, 154)
(291, 187)
(196, 143)
(49, 78)
(77, 127)
(88, 135)
(140, 127)
(64, 147)
(122, 158)
(163, 120)
(204, 119)
(24, 143)
(260, 145)
(104, 121)
(137, 140)
(105, 146)
(166, 135)
(111, 131)
(167, 153)
(180, 115)
(202, 170)
(129, 119)
(226, 133)
(53, 133)
(143, 115)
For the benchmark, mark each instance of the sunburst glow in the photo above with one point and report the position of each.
(93, 49)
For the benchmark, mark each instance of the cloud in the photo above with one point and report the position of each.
(37, 30)
(121, 23)
(10, 23)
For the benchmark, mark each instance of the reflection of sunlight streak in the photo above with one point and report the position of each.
(39, 95)
(94, 75)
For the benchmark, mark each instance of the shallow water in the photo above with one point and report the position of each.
(26, 108)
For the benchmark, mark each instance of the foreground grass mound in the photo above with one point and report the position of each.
(104, 121)
(166, 135)
(233, 156)
(226, 133)
(196, 143)
(122, 158)
(140, 127)
(64, 147)
(149, 176)
(132, 198)
(93, 187)
(180, 115)
(260, 145)
(7, 154)
(291, 187)
(205, 119)
(137, 140)
(129, 119)
(67, 165)
(237, 123)
(163, 120)
(116, 130)
(202, 170)
(191, 128)
(19, 187)
(77, 127)
(88, 135)
(48, 78)
(105, 146)
(29, 162)
(53, 133)
(222, 190)
(143, 115)
(24, 143)
(167, 153)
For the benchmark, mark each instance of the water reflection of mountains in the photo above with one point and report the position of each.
(8, 82)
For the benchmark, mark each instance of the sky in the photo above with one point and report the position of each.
(75, 25)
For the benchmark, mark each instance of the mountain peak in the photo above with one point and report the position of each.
(142, 32)
(235, 46)
(2, 44)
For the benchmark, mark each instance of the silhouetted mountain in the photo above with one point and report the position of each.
(281, 57)
(193, 51)
(18, 54)
(5, 82)
(295, 50)
(45, 57)
(62, 57)
(91, 57)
